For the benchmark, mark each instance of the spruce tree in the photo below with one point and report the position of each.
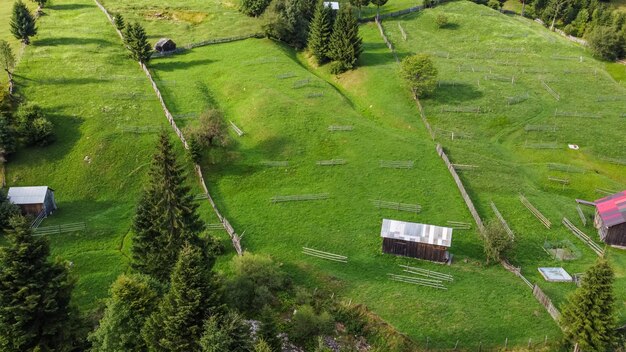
(137, 42)
(345, 43)
(118, 21)
(229, 333)
(589, 314)
(320, 31)
(133, 299)
(268, 329)
(193, 297)
(35, 311)
(166, 216)
(41, 3)
(22, 23)
(7, 209)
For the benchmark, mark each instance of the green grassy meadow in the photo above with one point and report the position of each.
(521, 138)
(285, 111)
(78, 71)
(186, 21)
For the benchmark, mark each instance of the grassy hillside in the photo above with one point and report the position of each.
(186, 21)
(506, 66)
(78, 71)
(285, 111)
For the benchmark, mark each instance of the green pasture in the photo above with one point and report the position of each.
(285, 110)
(186, 21)
(506, 66)
(78, 71)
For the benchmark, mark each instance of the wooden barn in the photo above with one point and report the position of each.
(33, 200)
(610, 219)
(414, 240)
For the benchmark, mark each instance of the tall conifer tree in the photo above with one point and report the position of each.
(137, 42)
(193, 297)
(345, 43)
(166, 216)
(35, 311)
(320, 31)
(133, 299)
(589, 314)
(22, 23)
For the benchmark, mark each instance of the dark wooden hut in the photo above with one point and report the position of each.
(610, 219)
(414, 240)
(33, 200)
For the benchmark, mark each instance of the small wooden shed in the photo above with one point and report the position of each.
(415, 240)
(610, 219)
(33, 200)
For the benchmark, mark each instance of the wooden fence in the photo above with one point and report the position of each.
(208, 42)
(387, 42)
(59, 229)
(547, 303)
(392, 14)
(459, 184)
(236, 240)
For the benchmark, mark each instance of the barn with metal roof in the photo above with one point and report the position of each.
(33, 200)
(610, 218)
(415, 240)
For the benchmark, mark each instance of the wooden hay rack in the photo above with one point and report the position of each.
(324, 255)
(535, 211)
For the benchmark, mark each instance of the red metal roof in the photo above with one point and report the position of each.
(612, 209)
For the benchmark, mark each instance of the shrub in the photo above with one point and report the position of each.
(420, 73)
(306, 325)
(254, 8)
(119, 23)
(494, 4)
(256, 282)
(441, 20)
(497, 242)
(33, 127)
(605, 42)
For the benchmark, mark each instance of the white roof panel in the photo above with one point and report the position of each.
(333, 5)
(414, 232)
(27, 195)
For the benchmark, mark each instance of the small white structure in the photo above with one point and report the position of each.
(555, 275)
(332, 4)
(33, 200)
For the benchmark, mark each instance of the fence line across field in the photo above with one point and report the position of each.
(505, 225)
(418, 281)
(397, 164)
(299, 197)
(582, 216)
(427, 273)
(59, 229)
(331, 162)
(271, 163)
(336, 128)
(459, 225)
(413, 208)
(583, 237)
(324, 255)
(535, 211)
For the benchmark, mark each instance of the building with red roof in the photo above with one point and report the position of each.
(611, 219)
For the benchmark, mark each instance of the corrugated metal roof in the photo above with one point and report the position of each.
(27, 195)
(422, 233)
(612, 209)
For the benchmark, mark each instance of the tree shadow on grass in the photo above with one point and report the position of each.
(66, 134)
(71, 41)
(69, 6)
(170, 65)
(454, 94)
